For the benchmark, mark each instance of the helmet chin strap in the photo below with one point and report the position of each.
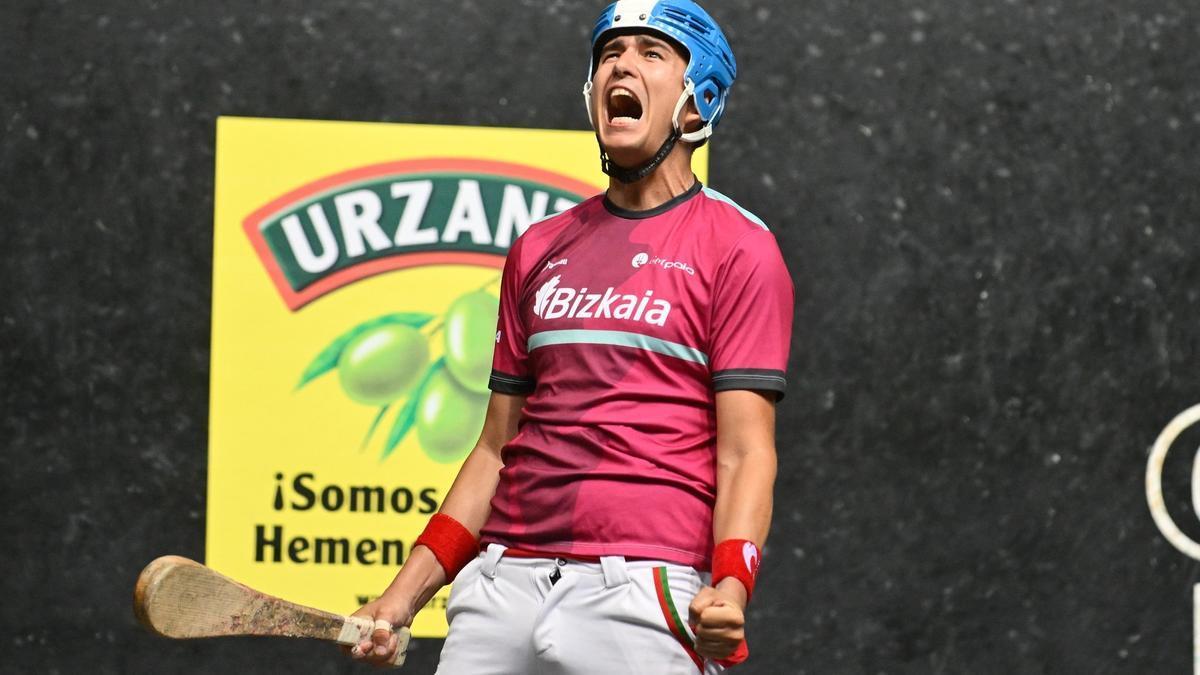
(634, 174)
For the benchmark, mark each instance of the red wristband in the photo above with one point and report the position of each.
(740, 654)
(737, 558)
(452, 544)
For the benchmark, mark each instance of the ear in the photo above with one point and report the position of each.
(689, 118)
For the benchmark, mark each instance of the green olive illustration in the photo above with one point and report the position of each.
(470, 332)
(378, 366)
(449, 418)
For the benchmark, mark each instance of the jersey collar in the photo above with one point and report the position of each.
(658, 210)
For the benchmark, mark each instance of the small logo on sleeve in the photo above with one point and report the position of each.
(552, 265)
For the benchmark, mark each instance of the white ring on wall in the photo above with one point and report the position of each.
(1154, 494)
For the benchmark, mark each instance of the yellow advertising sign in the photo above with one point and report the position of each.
(356, 272)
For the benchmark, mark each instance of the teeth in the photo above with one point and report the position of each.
(623, 111)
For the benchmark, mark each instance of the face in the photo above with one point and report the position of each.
(638, 80)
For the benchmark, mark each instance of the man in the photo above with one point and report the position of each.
(629, 439)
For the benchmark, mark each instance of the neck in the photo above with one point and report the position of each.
(672, 178)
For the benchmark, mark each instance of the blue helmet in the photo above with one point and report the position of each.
(711, 66)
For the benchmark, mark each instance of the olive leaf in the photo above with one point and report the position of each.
(407, 417)
(371, 432)
(328, 358)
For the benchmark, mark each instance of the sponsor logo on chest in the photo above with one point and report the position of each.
(560, 302)
(643, 259)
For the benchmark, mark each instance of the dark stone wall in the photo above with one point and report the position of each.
(989, 209)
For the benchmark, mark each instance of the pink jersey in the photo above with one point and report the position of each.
(620, 326)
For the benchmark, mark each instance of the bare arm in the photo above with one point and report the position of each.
(746, 466)
(468, 502)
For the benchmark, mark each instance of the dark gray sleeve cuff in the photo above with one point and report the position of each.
(503, 383)
(757, 379)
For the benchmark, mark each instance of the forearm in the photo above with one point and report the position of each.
(745, 487)
(746, 466)
(744, 502)
(468, 502)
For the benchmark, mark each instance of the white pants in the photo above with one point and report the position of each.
(542, 616)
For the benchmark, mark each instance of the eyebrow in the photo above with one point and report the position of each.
(642, 40)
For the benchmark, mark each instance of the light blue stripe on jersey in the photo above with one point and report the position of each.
(713, 194)
(618, 338)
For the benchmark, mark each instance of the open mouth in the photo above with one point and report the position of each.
(623, 107)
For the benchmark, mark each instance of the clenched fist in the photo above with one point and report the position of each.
(718, 618)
